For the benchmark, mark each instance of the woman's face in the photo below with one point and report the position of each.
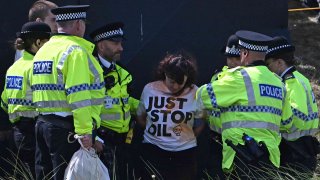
(173, 86)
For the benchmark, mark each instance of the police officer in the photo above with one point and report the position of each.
(68, 89)
(17, 98)
(115, 116)
(40, 12)
(232, 54)
(299, 146)
(252, 104)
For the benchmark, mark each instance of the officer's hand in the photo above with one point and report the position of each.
(87, 140)
(98, 146)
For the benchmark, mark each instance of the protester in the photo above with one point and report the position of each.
(167, 111)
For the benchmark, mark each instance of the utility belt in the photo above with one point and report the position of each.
(110, 136)
(59, 121)
(251, 151)
(305, 147)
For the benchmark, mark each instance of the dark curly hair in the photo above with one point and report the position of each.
(176, 66)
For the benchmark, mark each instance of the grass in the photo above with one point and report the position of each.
(19, 169)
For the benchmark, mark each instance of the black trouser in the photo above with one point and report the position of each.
(256, 168)
(214, 167)
(209, 155)
(168, 165)
(6, 150)
(299, 156)
(24, 139)
(116, 154)
(53, 151)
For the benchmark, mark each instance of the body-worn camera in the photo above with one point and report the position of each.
(109, 82)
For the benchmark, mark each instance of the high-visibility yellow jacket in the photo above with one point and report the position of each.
(67, 78)
(118, 105)
(214, 115)
(251, 100)
(16, 98)
(303, 105)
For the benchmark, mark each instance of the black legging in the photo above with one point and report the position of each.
(168, 165)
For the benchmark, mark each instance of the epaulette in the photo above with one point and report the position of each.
(238, 68)
(215, 76)
(288, 76)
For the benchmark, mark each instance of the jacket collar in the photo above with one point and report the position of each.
(289, 70)
(257, 63)
(76, 39)
(26, 55)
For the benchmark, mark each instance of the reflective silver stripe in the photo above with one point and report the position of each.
(80, 104)
(115, 116)
(293, 128)
(93, 70)
(249, 88)
(29, 114)
(307, 94)
(98, 101)
(91, 65)
(250, 124)
(62, 60)
(298, 134)
(62, 114)
(52, 104)
(64, 104)
(284, 94)
(215, 128)
(28, 92)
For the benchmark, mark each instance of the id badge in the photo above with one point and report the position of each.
(108, 102)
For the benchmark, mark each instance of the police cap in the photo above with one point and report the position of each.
(253, 41)
(34, 30)
(112, 32)
(278, 46)
(231, 49)
(70, 12)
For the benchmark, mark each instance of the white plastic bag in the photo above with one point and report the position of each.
(86, 165)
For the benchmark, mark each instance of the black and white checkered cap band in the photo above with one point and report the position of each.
(253, 47)
(105, 35)
(24, 32)
(278, 47)
(233, 50)
(71, 16)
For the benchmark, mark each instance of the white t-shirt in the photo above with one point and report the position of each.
(169, 118)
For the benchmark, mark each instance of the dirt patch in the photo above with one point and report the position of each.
(305, 36)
